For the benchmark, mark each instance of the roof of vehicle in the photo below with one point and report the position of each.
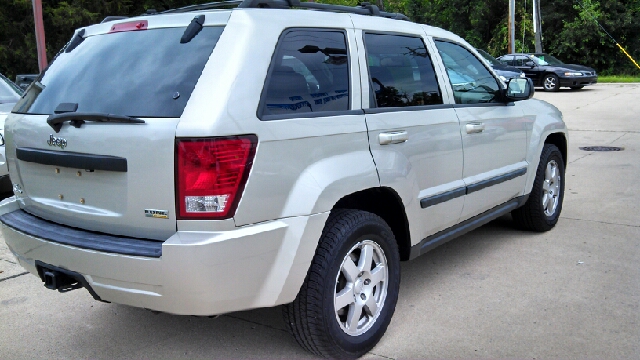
(224, 9)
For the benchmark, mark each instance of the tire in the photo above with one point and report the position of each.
(550, 83)
(577, 87)
(542, 209)
(348, 267)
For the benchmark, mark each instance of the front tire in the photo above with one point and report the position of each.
(351, 289)
(542, 209)
(551, 82)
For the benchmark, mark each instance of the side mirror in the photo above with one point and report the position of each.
(519, 89)
(530, 64)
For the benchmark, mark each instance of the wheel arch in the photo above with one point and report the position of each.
(560, 141)
(387, 204)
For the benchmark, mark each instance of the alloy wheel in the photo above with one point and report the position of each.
(551, 188)
(361, 287)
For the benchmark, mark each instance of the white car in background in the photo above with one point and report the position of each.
(9, 95)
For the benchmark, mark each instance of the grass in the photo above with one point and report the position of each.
(618, 79)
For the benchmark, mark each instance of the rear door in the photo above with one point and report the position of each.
(89, 170)
(414, 138)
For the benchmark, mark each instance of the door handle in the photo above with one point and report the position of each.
(473, 128)
(394, 137)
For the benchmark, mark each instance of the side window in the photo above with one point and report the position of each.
(521, 60)
(401, 72)
(309, 73)
(509, 60)
(472, 83)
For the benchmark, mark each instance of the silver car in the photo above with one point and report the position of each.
(203, 161)
(9, 95)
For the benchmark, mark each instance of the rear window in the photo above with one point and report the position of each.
(146, 73)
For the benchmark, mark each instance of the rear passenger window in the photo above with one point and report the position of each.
(309, 74)
(401, 72)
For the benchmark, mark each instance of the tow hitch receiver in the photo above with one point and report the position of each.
(63, 280)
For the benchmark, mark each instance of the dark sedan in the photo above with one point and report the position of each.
(551, 73)
(505, 72)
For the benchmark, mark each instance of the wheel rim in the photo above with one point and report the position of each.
(361, 288)
(551, 188)
(550, 83)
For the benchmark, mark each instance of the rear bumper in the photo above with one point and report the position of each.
(198, 273)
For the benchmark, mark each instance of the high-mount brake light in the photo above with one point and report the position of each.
(130, 26)
(211, 175)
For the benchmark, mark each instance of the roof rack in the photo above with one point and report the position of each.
(205, 6)
(364, 8)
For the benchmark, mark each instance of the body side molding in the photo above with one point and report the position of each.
(464, 227)
(455, 193)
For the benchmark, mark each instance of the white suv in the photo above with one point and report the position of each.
(203, 161)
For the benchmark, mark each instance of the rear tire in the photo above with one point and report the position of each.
(351, 289)
(542, 209)
(551, 82)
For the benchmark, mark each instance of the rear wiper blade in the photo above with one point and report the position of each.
(77, 119)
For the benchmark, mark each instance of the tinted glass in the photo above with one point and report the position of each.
(137, 73)
(471, 82)
(309, 73)
(521, 60)
(507, 59)
(546, 59)
(401, 71)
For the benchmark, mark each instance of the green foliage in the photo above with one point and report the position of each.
(569, 28)
(619, 79)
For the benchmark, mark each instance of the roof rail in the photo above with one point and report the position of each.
(364, 8)
(205, 6)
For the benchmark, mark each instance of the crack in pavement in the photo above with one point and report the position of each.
(595, 102)
(608, 131)
(14, 276)
(254, 322)
(600, 222)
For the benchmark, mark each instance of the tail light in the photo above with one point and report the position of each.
(211, 174)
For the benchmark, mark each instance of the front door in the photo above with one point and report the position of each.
(494, 133)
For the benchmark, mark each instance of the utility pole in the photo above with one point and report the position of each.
(40, 43)
(537, 25)
(511, 42)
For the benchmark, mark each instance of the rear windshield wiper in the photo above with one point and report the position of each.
(77, 119)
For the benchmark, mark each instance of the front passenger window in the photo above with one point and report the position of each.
(472, 83)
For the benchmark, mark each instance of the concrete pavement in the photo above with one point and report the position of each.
(497, 292)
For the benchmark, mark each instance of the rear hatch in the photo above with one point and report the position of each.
(113, 97)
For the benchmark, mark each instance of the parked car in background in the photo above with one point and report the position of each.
(505, 72)
(551, 73)
(9, 94)
(23, 81)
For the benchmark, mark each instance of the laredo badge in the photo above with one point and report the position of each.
(158, 214)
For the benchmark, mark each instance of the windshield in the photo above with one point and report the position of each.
(9, 93)
(493, 61)
(545, 59)
(145, 73)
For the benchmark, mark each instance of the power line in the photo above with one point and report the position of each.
(606, 32)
